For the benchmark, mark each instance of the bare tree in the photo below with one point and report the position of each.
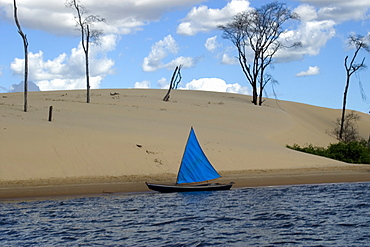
(259, 30)
(87, 35)
(349, 129)
(175, 80)
(359, 42)
(25, 45)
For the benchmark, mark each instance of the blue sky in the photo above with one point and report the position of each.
(144, 40)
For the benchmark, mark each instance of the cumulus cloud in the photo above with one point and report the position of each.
(186, 62)
(211, 43)
(122, 17)
(203, 84)
(204, 19)
(312, 32)
(339, 10)
(311, 71)
(142, 84)
(31, 87)
(216, 85)
(162, 49)
(68, 71)
(226, 59)
(313, 35)
(163, 83)
(316, 28)
(59, 19)
(306, 12)
(317, 25)
(318, 20)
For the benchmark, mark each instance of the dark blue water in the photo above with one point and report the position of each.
(308, 215)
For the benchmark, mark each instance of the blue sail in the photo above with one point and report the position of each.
(195, 166)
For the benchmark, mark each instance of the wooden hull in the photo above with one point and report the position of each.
(187, 188)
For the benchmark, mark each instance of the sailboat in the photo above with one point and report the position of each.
(194, 173)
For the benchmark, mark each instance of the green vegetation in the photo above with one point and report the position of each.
(356, 152)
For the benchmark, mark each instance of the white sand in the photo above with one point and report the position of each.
(102, 139)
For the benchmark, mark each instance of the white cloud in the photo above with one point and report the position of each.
(122, 17)
(204, 19)
(51, 16)
(318, 19)
(142, 84)
(186, 62)
(211, 43)
(216, 85)
(340, 10)
(313, 35)
(162, 49)
(306, 12)
(226, 59)
(31, 87)
(311, 32)
(311, 71)
(163, 83)
(68, 72)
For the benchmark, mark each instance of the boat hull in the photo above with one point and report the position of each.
(188, 188)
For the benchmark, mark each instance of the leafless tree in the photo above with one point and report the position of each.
(175, 80)
(87, 35)
(349, 131)
(25, 45)
(359, 42)
(259, 30)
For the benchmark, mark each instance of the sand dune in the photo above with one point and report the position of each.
(135, 134)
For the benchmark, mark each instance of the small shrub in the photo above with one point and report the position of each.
(309, 149)
(353, 152)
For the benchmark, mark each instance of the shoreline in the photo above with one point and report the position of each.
(71, 187)
(117, 143)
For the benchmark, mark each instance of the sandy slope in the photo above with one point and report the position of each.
(136, 134)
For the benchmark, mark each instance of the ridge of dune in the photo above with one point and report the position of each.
(135, 133)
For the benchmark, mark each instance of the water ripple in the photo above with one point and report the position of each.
(309, 215)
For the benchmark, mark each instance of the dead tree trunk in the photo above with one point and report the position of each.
(87, 35)
(86, 50)
(25, 45)
(350, 69)
(175, 80)
(50, 113)
(348, 73)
